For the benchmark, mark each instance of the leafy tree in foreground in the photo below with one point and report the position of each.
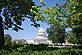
(52, 16)
(69, 14)
(75, 18)
(13, 12)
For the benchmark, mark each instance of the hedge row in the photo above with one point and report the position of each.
(38, 50)
(53, 52)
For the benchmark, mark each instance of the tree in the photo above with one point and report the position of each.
(8, 40)
(75, 18)
(71, 38)
(69, 13)
(73, 14)
(13, 12)
(56, 34)
(52, 16)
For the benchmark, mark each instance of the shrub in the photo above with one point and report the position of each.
(39, 50)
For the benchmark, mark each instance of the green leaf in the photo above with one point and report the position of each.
(41, 1)
(37, 18)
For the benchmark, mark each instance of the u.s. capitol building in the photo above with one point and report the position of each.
(41, 38)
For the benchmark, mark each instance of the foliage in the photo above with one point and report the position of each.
(8, 40)
(74, 19)
(71, 37)
(40, 49)
(56, 34)
(52, 16)
(15, 11)
(30, 47)
(45, 52)
(65, 15)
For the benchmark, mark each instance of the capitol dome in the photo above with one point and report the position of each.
(41, 37)
(41, 33)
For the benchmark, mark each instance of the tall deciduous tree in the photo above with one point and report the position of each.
(52, 16)
(13, 12)
(70, 15)
(56, 34)
(73, 15)
(74, 9)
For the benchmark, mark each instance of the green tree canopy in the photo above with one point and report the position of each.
(56, 34)
(69, 14)
(71, 37)
(13, 12)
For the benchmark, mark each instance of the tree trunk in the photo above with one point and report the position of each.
(1, 33)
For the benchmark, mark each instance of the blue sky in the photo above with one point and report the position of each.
(29, 31)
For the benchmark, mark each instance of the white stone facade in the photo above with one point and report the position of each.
(40, 39)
